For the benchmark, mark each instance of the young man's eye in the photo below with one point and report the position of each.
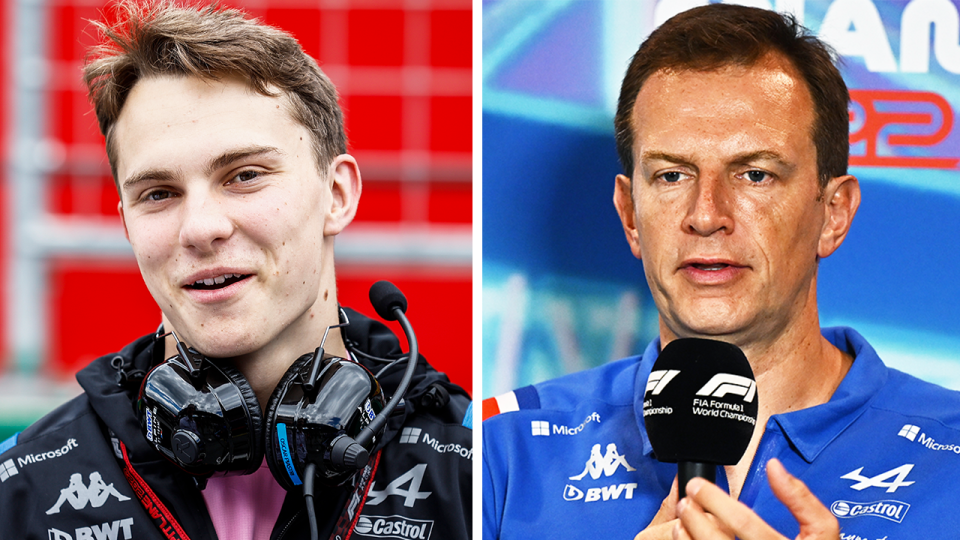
(157, 195)
(246, 176)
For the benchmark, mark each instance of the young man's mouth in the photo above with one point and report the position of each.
(217, 282)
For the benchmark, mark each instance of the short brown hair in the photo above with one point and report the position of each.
(718, 35)
(160, 38)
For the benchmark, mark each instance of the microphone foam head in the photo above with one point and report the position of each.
(700, 403)
(384, 296)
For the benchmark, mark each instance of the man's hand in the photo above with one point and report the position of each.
(728, 518)
(661, 527)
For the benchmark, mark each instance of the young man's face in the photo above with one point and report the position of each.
(725, 209)
(227, 212)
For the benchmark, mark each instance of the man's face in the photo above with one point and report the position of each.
(226, 211)
(725, 210)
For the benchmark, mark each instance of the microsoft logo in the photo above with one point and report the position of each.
(540, 428)
(909, 431)
(7, 469)
(410, 435)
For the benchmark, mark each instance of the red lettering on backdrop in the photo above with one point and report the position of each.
(874, 121)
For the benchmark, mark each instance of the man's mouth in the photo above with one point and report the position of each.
(218, 282)
(714, 267)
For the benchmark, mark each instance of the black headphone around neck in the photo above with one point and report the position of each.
(326, 414)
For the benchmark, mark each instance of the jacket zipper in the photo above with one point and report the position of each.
(287, 526)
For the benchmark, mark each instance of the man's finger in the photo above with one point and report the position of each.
(695, 522)
(732, 517)
(662, 525)
(814, 518)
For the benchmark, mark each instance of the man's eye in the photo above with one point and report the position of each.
(671, 177)
(246, 176)
(757, 176)
(157, 195)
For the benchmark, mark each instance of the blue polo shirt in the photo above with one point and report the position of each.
(570, 457)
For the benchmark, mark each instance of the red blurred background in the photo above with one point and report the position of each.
(403, 69)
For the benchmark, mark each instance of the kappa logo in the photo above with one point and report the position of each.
(400, 527)
(410, 495)
(104, 531)
(7, 469)
(660, 379)
(722, 384)
(78, 495)
(601, 464)
(898, 474)
(605, 464)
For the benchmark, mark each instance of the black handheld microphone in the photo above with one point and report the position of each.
(700, 407)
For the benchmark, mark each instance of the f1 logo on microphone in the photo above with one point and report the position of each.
(660, 379)
(722, 384)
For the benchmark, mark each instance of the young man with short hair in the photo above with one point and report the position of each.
(228, 149)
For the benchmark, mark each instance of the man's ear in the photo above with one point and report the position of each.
(623, 201)
(123, 220)
(841, 200)
(345, 187)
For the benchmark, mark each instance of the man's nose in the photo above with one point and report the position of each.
(204, 223)
(710, 206)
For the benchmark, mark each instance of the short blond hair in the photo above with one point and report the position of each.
(160, 38)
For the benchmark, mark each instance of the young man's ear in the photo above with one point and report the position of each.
(623, 201)
(345, 187)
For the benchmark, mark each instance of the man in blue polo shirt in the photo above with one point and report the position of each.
(732, 128)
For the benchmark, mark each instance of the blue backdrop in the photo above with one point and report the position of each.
(561, 291)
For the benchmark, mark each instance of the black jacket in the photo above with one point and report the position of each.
(421, 489)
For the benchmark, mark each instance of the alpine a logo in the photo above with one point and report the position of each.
(886, 509)
(898, 474)
(601, 464)
(400, 527)
(722, 384)
(410, 495)
(542, 428)
(103, 531)
(910, 432)
(79, 495)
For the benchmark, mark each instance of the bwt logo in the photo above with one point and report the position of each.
(104, 531)
(898, 118)
(727, 383)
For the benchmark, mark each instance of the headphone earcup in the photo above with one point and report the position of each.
(303, 426)
(205, 421)
(274, 441)
(252, 405)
